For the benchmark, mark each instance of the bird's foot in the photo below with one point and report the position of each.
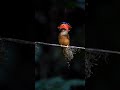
(61, 45)
(67, 46)
(64, 46)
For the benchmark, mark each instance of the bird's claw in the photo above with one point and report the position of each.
(64, 46)
(67, 46)
(61, 45)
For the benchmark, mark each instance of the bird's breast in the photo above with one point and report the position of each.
(63, 40)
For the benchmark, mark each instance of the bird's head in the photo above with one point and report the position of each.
(64, 27)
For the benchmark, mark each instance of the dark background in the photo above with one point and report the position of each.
(17, 67)
(101, 30)
(38, 21)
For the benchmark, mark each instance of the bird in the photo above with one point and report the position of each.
(64, 39)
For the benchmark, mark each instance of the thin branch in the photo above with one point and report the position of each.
(86, 49)
(57, 45)
(17, 41)
(101, 50)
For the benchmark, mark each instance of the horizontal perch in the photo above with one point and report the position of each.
(42, 43)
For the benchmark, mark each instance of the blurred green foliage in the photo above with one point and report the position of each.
(57, 83)
(71, 4)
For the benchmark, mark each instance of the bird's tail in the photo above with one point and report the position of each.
(68, 53)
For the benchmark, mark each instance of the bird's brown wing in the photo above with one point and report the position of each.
(68, 36)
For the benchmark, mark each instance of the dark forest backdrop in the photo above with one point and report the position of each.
(96, 26)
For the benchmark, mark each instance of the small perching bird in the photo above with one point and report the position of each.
(64, 39)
